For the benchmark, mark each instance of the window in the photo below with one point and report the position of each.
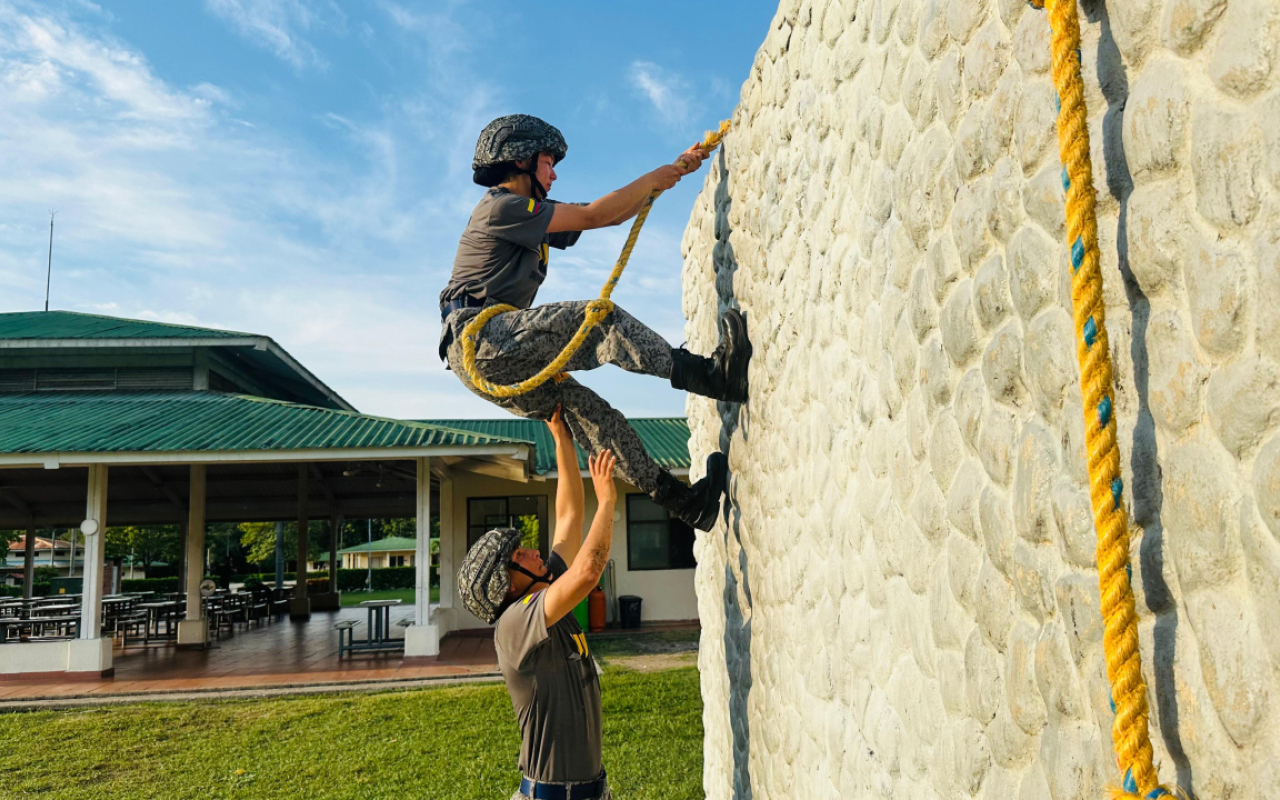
(396, 561)
(529, 514)
(654, 539)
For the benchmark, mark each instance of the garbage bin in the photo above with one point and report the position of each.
(629, 610)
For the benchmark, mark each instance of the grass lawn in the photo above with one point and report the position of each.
(406, 596)
(448, 743)
(611, 645)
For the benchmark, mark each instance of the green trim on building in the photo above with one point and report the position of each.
(665, 438)
(74, 325)
(85, 422)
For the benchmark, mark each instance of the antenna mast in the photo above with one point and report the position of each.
(48, 276)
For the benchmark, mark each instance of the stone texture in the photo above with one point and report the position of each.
(1161, 236)
(1177, 374)
(1244, 403)
(1155, 117)
(1185, 23)
(1226, 152)
(1245, 48)
(1220, 298)
(905, 603)
(1201, 495)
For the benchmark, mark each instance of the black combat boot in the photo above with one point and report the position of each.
(723, 376)
(697, 505)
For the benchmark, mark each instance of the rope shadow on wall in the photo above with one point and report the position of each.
(737, 584)
(1144, 455)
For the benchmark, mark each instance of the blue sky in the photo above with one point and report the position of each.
(301, 168)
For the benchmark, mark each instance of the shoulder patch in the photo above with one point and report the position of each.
(534, 206)
(529, 597)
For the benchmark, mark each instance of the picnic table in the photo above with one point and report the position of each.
(379, 627)
(64, 627)
(54, 610)
(161, 610)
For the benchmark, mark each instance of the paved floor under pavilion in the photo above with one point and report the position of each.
(282, 653)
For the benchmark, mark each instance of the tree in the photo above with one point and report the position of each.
(530, 533)
(258, 541)
(9, 537)
(144, 544)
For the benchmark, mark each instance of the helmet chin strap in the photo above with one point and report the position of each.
(544, 578)
(535, 185)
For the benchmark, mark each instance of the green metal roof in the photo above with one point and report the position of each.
(380, 545)
(74, 325)
(666, 438)
(84, 422)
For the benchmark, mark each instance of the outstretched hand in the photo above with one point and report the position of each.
(691, 159)
(559, 430)
(601, 467)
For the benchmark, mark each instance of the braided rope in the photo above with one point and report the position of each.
(597, 309)
(1129, 730)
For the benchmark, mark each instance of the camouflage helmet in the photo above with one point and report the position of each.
(483, 580)
(516, 137)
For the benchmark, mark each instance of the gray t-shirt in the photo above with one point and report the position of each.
(551, 677)
(503, 253)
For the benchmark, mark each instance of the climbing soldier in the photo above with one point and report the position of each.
(542, 651)
(502, 258)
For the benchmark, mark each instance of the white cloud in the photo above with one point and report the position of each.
(666, 90)
(170, 208)
(281, 25)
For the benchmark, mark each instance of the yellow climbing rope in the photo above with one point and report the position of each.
(597, 309)
(1129, 733)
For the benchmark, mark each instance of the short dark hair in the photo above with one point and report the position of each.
(493, 174)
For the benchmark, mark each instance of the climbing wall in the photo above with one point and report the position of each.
(902, 601)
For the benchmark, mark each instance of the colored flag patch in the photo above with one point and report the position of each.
(534, 206)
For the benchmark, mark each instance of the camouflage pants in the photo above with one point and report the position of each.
(607, 794)
(517, 345)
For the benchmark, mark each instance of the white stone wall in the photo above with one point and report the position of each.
(904, 602)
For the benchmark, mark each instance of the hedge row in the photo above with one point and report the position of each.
(349, 580)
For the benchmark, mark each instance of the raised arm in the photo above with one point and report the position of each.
(570, 588)
(621, 205)
(570, 507)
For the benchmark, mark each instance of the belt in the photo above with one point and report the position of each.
(558, 791)
(466, 301)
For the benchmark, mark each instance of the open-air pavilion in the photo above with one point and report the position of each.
(106, 421)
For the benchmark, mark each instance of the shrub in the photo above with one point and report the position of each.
(159, 585)
(394, 578)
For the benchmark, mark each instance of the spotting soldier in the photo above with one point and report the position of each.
(542, 651)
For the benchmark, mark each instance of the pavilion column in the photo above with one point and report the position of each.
(300, 605)
(29, 562)
(279, 557)
(194, 630)
(182, 554)
(91, 653)
(93, 527)
(335, 528)
(422, 638)
(447, 569)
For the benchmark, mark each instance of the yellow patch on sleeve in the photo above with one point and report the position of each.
(532, 205)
